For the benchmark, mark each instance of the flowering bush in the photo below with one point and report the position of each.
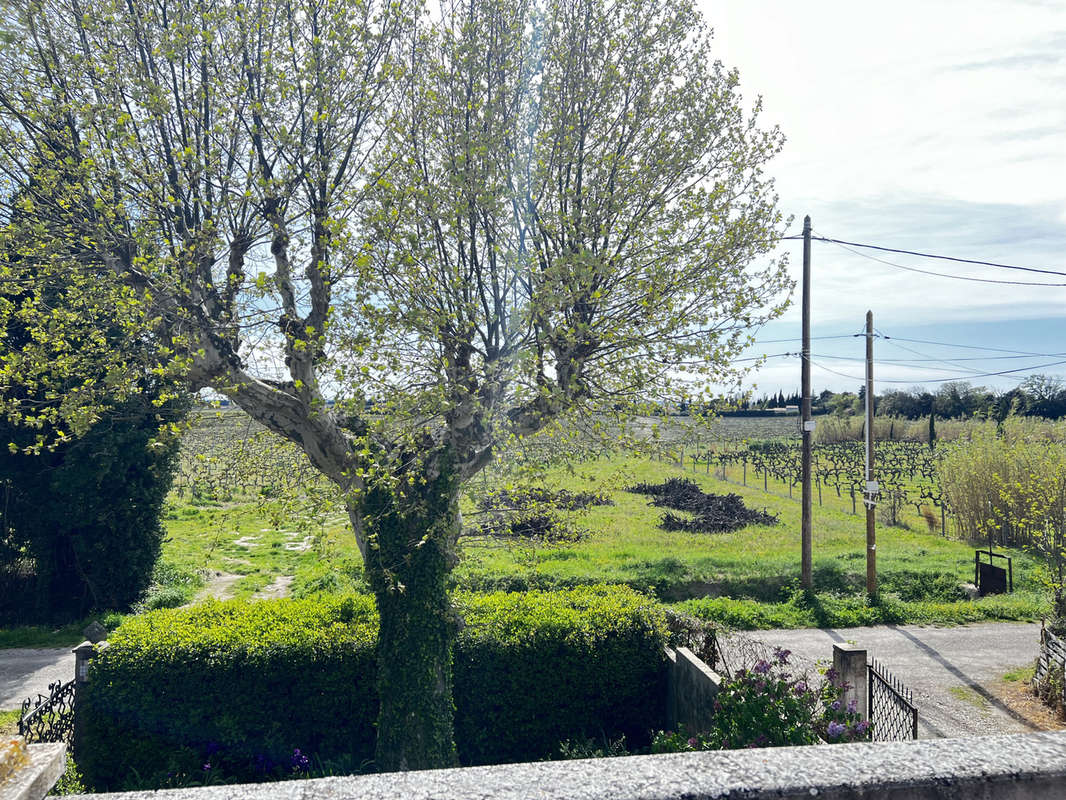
(767, 706)
(840, 722)
(761, 707)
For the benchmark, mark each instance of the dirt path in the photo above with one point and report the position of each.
(219, 586)
(24, 672)
(955, 674)
(279, 588)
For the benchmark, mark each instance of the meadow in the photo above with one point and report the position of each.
(246, 518)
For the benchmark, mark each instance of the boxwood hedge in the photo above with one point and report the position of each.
(236, 688)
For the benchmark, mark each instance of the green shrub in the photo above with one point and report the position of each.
(848, 611)
(86, 515)
(533, 669)
(163, 597)
(243, 685)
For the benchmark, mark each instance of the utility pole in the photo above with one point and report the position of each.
(871, 485)
(805, 411)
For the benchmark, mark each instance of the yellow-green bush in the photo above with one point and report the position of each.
(241, 686)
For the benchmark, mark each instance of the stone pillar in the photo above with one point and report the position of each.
(849, 661)
(83, 654)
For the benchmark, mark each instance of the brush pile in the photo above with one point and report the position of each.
(533, 513)
(712, 513)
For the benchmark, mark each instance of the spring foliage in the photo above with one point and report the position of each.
(244, 684)
(457, 227)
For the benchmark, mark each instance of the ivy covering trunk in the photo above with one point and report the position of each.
(412, 529)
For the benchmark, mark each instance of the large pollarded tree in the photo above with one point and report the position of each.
(458, 227)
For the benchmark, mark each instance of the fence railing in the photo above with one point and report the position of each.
(893, 715)
(49, 718)
(1052, 658)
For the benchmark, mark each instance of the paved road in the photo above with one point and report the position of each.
(25, 672)
(952, 672)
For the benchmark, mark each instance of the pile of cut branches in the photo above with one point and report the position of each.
(533, 513)
(712, 513)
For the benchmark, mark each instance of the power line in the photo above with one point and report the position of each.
(945, 274)
(813, 338)
(911, 362)
(973, 347)
(940, 257)
(949, 362)
(1006, 372)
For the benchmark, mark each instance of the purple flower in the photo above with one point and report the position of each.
(800, 687)
(831, 674)
(207, 766)
(835, 729)
(692, 742)
(862, 726)
(835, 705)
(762, 667)
(300, 762)
(782, 655)
(853, 704)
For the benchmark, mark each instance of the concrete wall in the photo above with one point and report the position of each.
(691, 687)
(1024, 767)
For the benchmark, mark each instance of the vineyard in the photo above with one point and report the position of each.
(226, 456)
(246, 504)
(906, 471)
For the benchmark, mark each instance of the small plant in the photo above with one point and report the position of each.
(70, 782)
(931, 521)
(840, 722)
(765, 706)
(587, 747)
(1049, 688)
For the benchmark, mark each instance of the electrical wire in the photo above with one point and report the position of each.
(946, 274)
(1006, 372)
(813, 339)
(973, 347)
(941, 258)
(951, 364)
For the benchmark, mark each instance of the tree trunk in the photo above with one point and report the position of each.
(411, 533)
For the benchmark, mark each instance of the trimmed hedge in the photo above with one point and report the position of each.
(241, 685)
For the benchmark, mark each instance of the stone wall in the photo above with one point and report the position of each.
(1024, 767)
(691, 687)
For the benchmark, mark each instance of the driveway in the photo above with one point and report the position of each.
(955, 674)
(26, 672)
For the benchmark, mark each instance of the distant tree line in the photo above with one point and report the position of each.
(1036, 396)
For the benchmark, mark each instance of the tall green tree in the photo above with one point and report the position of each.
(81, 512)
(481, 220)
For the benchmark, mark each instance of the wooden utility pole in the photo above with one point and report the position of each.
(871, 485)
(805, 411)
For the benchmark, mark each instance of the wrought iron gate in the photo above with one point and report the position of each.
(51, 718)
(893, 715)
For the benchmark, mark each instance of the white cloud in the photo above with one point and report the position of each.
(931, 126)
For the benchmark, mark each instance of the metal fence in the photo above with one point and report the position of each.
(893, 715)
(1050, 676)
(49, 718)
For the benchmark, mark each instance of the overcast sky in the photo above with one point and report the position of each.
(935, 126)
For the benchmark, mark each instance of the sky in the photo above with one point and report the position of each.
(934, 126)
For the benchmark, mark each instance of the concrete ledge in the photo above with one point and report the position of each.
(1023, 767)
(691, 688)
(36, 779)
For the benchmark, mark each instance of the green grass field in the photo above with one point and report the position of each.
(747, 578)
(252, 544)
